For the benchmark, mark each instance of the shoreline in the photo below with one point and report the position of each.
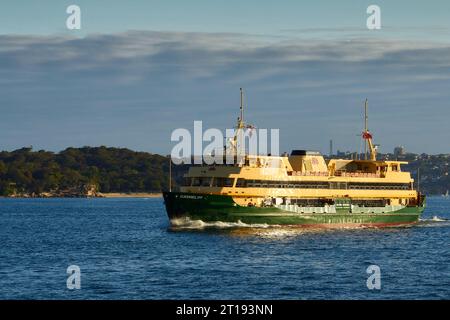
(99, 195)
(130, 195)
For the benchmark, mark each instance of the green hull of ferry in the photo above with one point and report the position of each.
(211, 208)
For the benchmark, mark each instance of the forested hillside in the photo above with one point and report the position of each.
(78, 171)
(25, 171)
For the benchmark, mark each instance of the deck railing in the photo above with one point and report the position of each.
(357, 174)
(309, 173)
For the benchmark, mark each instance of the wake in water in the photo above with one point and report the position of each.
(434, 221)
(262, 230)
(187, 223)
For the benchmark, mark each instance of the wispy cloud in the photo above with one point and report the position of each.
(121, 89)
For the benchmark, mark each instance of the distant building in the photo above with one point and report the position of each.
(399, 151)
(342, 154)
(346, 154)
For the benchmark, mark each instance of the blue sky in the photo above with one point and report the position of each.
(249, 16)
(139, 69)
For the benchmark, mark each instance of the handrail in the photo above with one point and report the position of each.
(310, 173)
(357, 174)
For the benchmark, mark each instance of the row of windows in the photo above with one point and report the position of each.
(310, 202)
(370, 203)
(324, 202)
(245, 183)
(381, 187)
(209, 182)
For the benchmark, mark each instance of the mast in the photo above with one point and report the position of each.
(238, 143)
(241, 119)
(170, 173)
(367, 136)
(240, 127)
(365, 129)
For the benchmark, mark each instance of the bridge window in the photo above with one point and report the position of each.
(206, 182)
(201, 182)
(186, 182)
(241, 183)
(223, 182)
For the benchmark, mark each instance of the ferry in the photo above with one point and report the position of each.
(301, 189)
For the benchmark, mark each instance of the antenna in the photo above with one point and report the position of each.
(242, 108)
(365, 128)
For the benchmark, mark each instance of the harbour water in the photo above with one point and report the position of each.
(126, 249)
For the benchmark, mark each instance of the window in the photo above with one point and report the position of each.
(241, 183)
(201, 182)
(228, 182)
(187, 182)
(393, 186)
(206, 182)
(223, 182)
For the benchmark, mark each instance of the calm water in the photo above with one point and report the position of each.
(126, 250)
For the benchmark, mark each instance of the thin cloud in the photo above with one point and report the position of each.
(61, 83)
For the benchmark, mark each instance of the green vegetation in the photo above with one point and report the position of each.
(26, 172)
(33, 173)
(433, 170)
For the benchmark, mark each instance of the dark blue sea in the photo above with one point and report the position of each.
(125, 249)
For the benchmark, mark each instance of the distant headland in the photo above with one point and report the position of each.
(120, 172)
(84, 172)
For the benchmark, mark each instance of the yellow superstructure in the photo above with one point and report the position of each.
(304, 175)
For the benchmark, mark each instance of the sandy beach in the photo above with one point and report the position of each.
(131, 195)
